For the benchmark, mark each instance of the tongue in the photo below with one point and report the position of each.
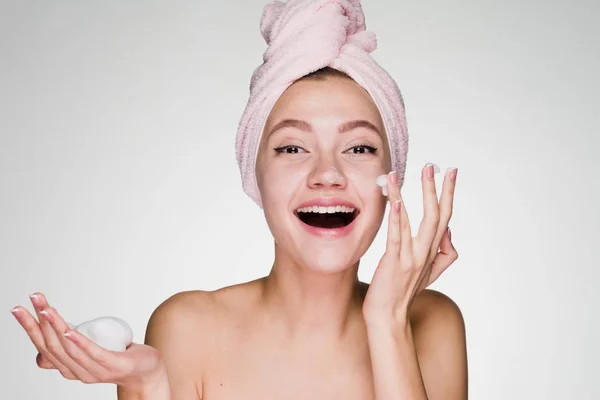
(329, 221)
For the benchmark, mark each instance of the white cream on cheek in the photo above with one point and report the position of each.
(382, 182)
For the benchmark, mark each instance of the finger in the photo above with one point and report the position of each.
(109, 360)
(90, 368)
(32, 327)
(431, 214)
(406, 233)
(394, 242)
(392, 187)
(394, 195)
(446, 208)
(66, 351)
(394, 236)
(446, 256)
(447, 199)
(53, 344)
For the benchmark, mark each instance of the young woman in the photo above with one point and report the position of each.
(310, 329)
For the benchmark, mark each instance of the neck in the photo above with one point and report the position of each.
(309, 302)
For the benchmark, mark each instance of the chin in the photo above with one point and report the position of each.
(323, 254)
(328, 261)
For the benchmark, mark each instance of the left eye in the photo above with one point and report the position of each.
(362, 149)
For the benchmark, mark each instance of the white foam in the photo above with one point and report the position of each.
(111, 333)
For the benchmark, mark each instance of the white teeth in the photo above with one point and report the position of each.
(326, 210)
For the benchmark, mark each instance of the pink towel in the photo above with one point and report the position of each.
(302, 37)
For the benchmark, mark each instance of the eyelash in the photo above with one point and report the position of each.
(371, 149)
(283, 149)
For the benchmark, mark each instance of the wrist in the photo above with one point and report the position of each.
(149, 384)
(396, 320)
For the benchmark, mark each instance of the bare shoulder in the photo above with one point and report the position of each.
(435, 309)
(178, 317)
(436, 322)
(176, 330)
(185, 326)
(182, 311)
(440, 341)
(196, 314)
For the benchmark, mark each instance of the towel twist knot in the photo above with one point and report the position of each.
(299, 32)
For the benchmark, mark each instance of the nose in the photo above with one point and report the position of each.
(327, 175)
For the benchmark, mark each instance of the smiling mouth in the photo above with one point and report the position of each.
(331, 217)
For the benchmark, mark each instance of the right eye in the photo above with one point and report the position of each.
(289, 149)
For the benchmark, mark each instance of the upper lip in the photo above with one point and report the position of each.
(326, 202)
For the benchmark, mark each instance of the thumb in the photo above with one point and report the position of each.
(43, 362)
(444, 258)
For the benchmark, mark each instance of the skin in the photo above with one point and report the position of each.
(309, 329)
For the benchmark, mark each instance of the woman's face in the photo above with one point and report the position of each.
(321, 151)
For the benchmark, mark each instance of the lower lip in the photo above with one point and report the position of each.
(328, 232)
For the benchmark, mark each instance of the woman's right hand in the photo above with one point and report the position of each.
(78, 358)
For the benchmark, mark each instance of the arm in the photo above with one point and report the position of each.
(170, 332)
(139, 371)
(422, 357)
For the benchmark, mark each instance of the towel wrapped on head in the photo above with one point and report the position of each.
(304, 36)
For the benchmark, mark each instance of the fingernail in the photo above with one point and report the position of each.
(46, 315)
(35, 300)
(452, 171)
(394, 177)
(428, 171)
(434, 168)
(72, 336)
(16, 313)
(397, 205)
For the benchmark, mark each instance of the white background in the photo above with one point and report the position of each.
(119, 187)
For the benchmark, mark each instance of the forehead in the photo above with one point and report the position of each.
(332, 98)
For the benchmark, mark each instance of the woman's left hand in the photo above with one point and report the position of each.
(410, 264)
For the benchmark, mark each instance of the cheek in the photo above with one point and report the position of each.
(364, 180)
(280, 182)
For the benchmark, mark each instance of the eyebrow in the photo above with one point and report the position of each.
(291, 123)
(360, 123)
(306, 127)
